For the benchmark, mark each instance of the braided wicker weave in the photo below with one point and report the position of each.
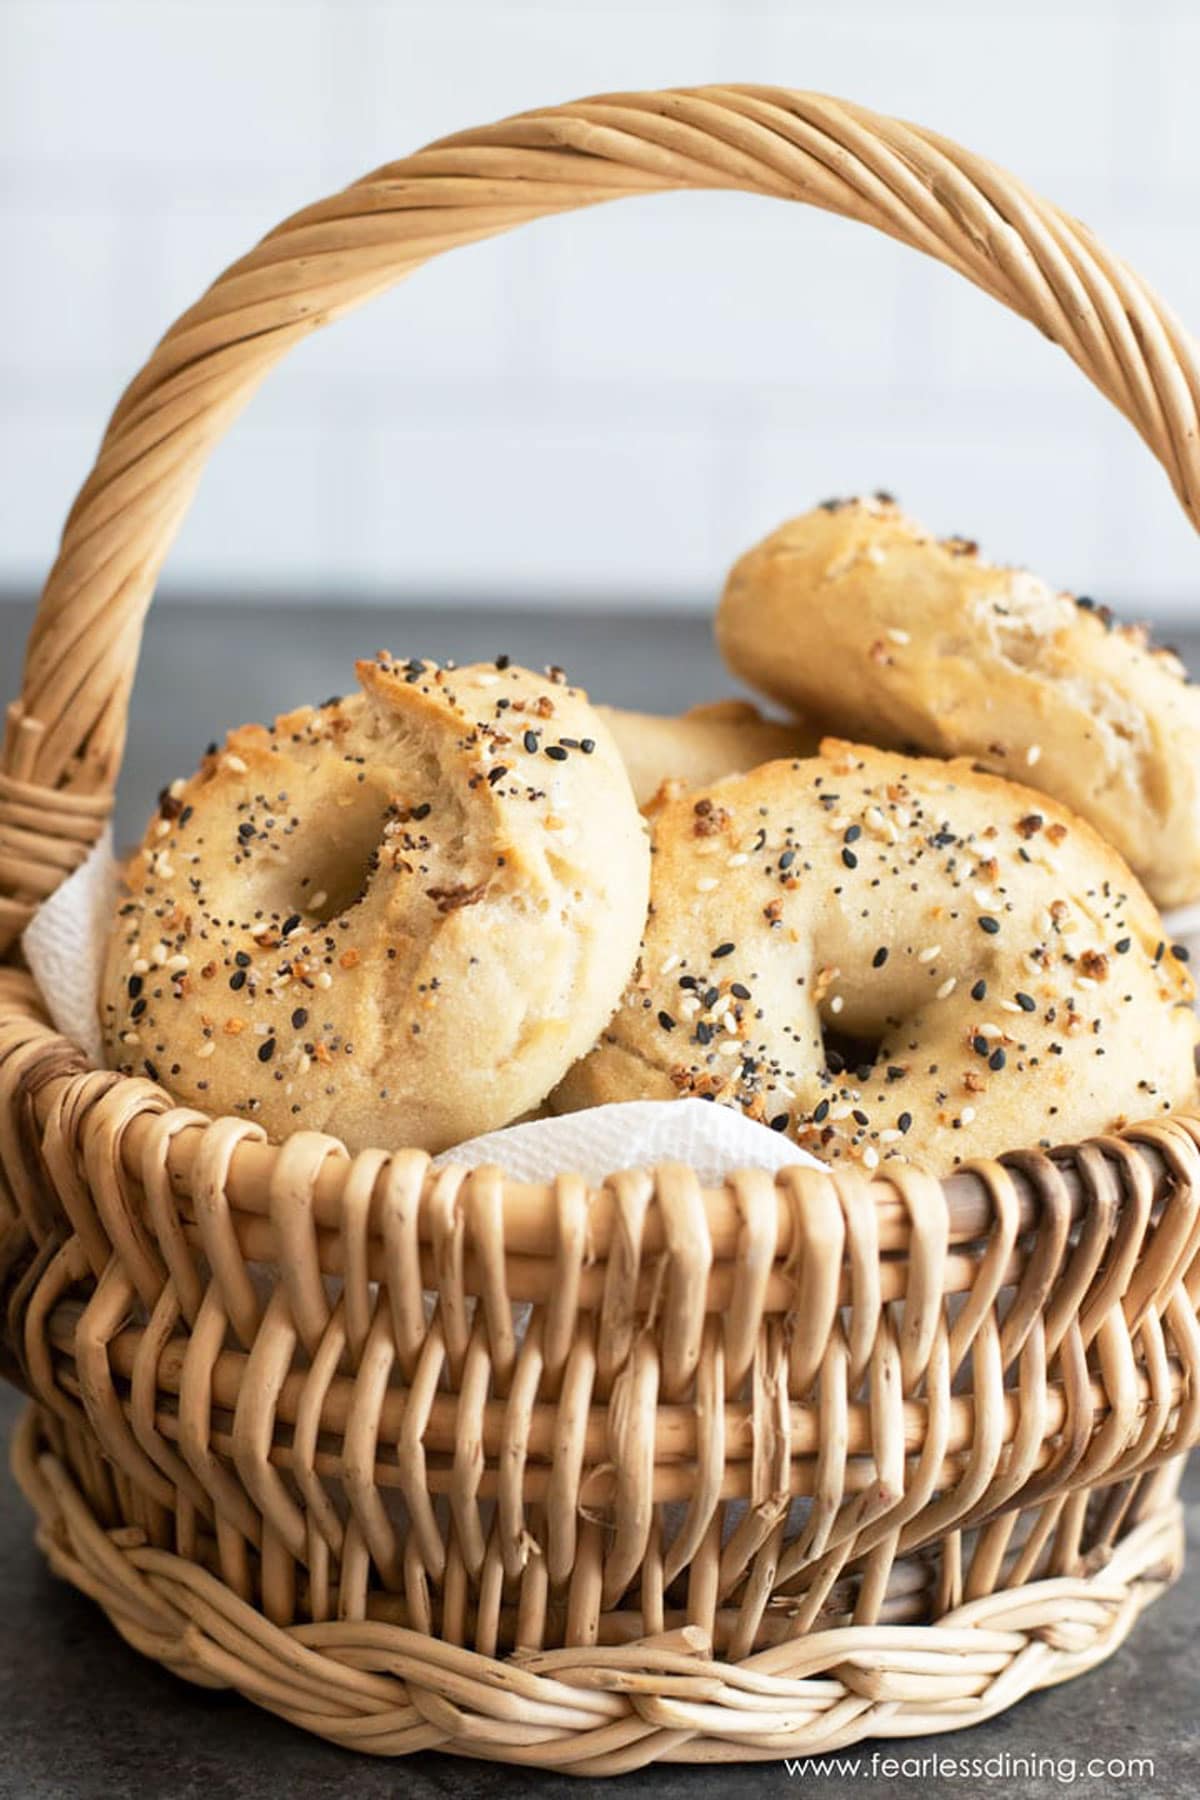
(772, 1467)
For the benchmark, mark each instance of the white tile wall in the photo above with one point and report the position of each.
(612, 404)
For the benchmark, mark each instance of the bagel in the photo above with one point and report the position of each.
(866, 623)
(895, 956)
(723, 737)
(398, 917)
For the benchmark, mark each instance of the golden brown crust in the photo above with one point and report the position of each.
(994, 973)
(862, 620)
(397, 917)
(721, 737)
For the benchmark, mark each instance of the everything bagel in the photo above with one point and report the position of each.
(895, 956)
(397, 917)
(868, 624)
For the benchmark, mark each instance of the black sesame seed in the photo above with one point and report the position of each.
(860, 1117)
(135, 986)
(150, 1069)
(496, 774)
(1026, 1002)
(266, 1050)
(779, 1122)
(880, 957)
(242, 960)
(904, 1122)
(530, 741)
(990, 925)
(502, 662)
(723, 950)
(237, 979)
(820, 1112)
(979, 991)
(1181, 953)
(1123, 945)
(556, 753)
(711, 996)
(852, 834)
(587, 745)
(997, 1060)
(138, 1008)
(849, 858)
(245, 830)
(787, 859)
(299, 1017)
(289, 924)
(423, 811)
(704, 1033)
(739, 990)
(980, 1046)
(666, 1021)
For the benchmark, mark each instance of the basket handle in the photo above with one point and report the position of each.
(64, 735)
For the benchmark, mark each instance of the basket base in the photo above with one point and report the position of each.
(378, 1687)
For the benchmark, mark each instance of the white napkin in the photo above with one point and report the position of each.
(64, 945)
(633, 1134)
(65, 942)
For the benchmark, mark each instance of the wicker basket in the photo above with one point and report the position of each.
(773, 1467)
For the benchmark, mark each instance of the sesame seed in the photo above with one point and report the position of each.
(556, 753)
(267, 1050)
(237, 979)
(1122, 946)
(930, 954)
(997, 1060)
(738, 861)
(967, 1114)
(1033, 755)
(849, 858)
(299, 1017)
(880, 957)
(947, 988)
(726, 949)
(904, 1123)
(897, 636)
(587, 745)
(207, 1049)
(235, 764)
(836, 1004)
(870, 1157)
(706, 884)
(666, 1021)
(990, 925)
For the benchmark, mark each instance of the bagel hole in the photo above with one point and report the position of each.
(338, 859)
(847, 1053)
